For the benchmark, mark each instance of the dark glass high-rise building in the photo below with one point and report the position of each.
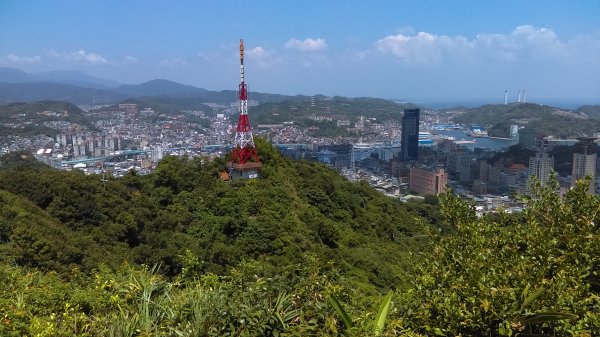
(410, 135)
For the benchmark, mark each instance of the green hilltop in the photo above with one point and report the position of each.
(546, 120)
(28, 118)
(593, 111)
(297, 208)
(336, 108)
(299, 252)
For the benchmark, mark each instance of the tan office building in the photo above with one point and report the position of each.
(427, 181)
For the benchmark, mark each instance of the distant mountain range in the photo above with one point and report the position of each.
(160, 88)
(80, 88)
(76, 78)
(41, 91)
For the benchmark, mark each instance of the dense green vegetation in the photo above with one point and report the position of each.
(168, 105)
(543, 119)
(337, 108)
(27, 131)
(20, 159)
(298, 207)
(517, 154)
(532, 275)
(299, 252)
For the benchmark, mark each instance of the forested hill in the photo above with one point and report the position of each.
(305, 112)
(543, 119)
(299, 252)
(593, 111)
(296, 208)
(26, 115)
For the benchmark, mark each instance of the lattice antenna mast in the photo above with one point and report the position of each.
(243, 146)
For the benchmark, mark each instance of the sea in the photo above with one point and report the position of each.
(479, 142)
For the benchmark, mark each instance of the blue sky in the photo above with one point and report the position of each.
(412, 50)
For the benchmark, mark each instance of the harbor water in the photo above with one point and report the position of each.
(478, 142)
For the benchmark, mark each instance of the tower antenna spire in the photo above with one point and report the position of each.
(242, 61)
(244, 156)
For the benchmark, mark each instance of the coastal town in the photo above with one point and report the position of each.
(126, 137)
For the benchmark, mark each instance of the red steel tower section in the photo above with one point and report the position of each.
(243, 145)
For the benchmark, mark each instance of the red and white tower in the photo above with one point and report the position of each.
(244, 157)
(243, 145)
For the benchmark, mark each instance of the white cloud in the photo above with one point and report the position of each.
(23, 59)
(423, 47)
(209, 56)
(524, 43)
(81, 56)
(173, 63)
(131, 59)
(308, 45)
(261, 56)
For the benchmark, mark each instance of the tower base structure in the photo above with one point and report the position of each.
(248, 170)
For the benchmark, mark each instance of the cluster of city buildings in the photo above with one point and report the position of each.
(423, 167)
(398, 158)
